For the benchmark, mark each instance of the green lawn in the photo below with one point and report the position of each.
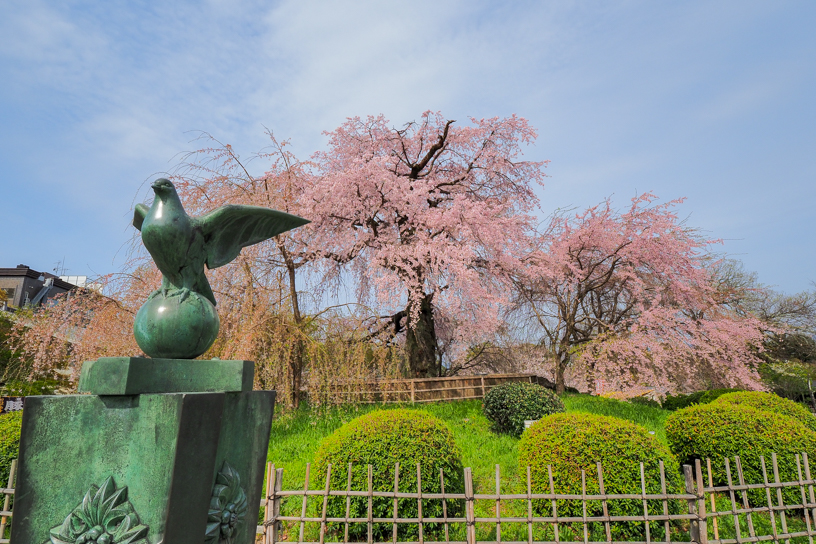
(296, 436)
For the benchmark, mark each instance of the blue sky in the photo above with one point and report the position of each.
(714, 101)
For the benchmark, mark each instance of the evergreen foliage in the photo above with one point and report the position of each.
(676, 402)
(10, 425)
(508, 405)
(573, 442)
(769, 402)
(720, 431)
(382, 439)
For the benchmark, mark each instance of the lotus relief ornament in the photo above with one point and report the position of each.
(104, 517)
(228, 507)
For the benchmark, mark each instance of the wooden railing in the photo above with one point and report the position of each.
(425, 389)
(289, 517)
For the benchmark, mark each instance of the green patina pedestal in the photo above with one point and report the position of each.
(161, 451)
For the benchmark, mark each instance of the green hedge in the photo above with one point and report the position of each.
(9, 442)
(508, 405)
(573, 442)
(381, 439)
(677, 402)
(720, 430)
(770, 402)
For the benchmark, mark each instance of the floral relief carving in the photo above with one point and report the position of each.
(228, 507)
(104, 517)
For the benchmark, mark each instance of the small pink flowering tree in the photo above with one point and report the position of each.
(425, 219)
(629, 296)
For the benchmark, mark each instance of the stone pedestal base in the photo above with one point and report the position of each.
(172, 468)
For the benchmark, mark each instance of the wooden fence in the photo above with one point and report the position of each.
(289, 517)
(427, 389)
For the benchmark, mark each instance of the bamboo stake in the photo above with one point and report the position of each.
(370, 504)
(781, 503)
(303, 507)
(713, 500)
(348, 505)
(701, 506)
(604, 505)
(810, 486)
(737, 530)
(804, 499)
(498, 497)
(268, 492)
(529, 508)
(325, 504)
(744, 494)
(7, 500)
(276, 504)
(419, 505)
(444, 503)
(768, 497)
(583, 504)
(470, 515)
(692, 507)
(665, 500)
(554, 504)
(645, 503)
(396, 501)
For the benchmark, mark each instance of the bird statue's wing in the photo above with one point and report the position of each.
(232, 227)
(139, 215)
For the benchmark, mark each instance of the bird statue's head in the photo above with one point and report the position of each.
(163, 188)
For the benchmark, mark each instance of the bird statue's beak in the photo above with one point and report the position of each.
(155, 185)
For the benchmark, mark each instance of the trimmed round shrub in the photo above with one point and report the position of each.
(769, 402)
(9, 442)
(573, 442)
(382, 439)
(720, 431)
(699, 397)
(508, 405)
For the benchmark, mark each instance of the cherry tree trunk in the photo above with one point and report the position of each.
(420, 343)
(561, 363)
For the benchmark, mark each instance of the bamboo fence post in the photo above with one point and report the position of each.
(370, 504)
(692, 506)
(396, 502)
(701, 506)
(768, 497)
(529, 508)
(419, 506)
(268, 492)
(444, 503)
(737, 530)
(744, 495)
(584, 506)
(810, 486)
(303, 507)
(483, 386)
(645, 503)
(413, 391)
(469, 510)
(498, 498)
(713, 500)
(604, 505)
(348, 505)
(276, 504)
(554, 504)
(779, 500)
(804, 498)
(666, 524)
(325, 504)
(7, 500)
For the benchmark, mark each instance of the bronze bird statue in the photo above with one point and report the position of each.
(179, 320)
